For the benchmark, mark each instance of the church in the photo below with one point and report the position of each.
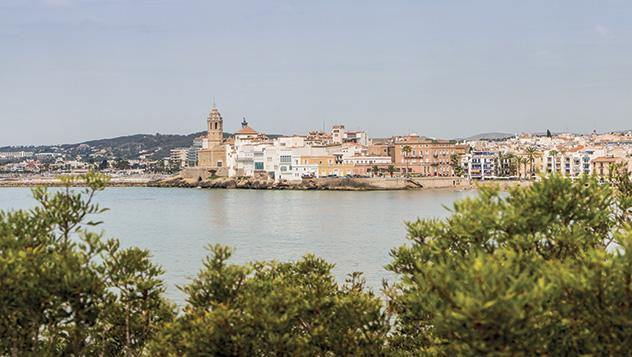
(212, 156)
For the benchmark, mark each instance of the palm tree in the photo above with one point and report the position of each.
(512, 165)
(391, 169)
(500, 157)
(553, 154)
(376, 170)
(532, 153)
(406, 150)
(524, 161)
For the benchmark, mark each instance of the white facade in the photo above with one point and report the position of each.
(245, 158)
(179, 156)
(569, 164)
(338, 134)
(15, 154)
(252, 154)
(481, 165)
(341, 135)
(360, 137)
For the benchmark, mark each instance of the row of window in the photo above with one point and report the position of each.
(421, 153)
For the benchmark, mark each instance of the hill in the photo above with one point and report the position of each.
(487, 136)
(129, 147)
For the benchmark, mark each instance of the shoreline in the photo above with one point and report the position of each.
(319, 184)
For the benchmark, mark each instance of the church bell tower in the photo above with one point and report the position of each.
(215, 125)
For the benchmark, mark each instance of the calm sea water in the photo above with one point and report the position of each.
(353, 230)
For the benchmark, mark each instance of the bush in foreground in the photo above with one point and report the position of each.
(272, 308)
(66, 291)
(536, 270)
(541, 270)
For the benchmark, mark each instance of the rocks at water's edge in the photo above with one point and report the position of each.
(343, 184)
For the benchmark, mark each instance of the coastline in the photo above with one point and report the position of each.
(318, 184)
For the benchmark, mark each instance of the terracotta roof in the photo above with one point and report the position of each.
(607, 159)
(246, 130)
(577, 148)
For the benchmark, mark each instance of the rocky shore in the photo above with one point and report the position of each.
(337, 184)
(334, 184)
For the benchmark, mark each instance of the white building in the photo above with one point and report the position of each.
(11, 155)
(481, 165)
(178, 156)
(571, 164)
(341, 135)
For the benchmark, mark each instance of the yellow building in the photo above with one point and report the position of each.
(601, 166)
(327, 165)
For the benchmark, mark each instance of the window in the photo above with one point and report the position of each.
(219, 164)
(258, 165)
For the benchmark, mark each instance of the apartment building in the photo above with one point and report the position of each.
(178, 156)
(425, 156)
(481, 165)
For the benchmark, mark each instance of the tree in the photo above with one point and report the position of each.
(532, 153)
(272, 308)
(548, 133)
(121, 164)
(65, 290)
(529, 272)
(391, 170)
(511, 168)
(500, 164)
(553, 155)
(104, 165)
(407, 149)
(376, 170)
(455, 162)
(524, 161)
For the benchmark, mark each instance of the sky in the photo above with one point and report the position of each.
(75, 70)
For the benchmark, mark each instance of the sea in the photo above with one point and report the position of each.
(356, 231)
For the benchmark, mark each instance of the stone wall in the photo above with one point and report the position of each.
(193, 173)
(394, 183)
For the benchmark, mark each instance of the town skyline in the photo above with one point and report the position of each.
(275, 159)
(327, 126)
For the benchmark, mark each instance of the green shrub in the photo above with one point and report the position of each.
(540, 270)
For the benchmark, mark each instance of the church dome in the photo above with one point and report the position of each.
(245, 129)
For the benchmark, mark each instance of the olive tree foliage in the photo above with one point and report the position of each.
(64, 290)
(274, 309)
(542, 270)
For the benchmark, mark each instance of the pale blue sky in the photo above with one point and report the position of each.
(73, 70)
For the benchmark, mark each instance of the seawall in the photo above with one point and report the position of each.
(345, 184)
